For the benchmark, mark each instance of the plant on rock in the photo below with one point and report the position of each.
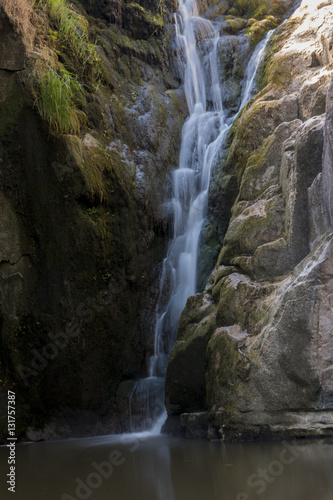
(257, 8)
(73, 39)
(58, 94)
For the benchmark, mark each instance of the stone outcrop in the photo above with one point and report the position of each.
(82, 227)
(17, 34)
(253, 356)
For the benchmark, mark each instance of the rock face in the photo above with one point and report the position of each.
(17, 35)
(253, 356)
(82, 227)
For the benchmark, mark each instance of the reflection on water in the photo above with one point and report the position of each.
(139, 467)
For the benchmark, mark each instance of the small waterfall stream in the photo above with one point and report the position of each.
(203, 135)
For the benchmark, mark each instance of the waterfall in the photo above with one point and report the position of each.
(252, 67)
(203, 135)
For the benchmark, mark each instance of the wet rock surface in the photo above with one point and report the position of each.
(266, 358)
(83, 228)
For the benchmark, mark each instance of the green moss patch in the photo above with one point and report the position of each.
(227, 367)
(256, 30)
(257, 8)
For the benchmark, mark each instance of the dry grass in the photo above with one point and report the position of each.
(19, 11)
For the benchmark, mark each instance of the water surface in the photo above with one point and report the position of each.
(163, 468)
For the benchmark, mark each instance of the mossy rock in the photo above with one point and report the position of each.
(232, 56)
(197, 307)
(223, 191)
(227, 367)
(217, 276)
(141, 23)
(257, 224)
(276, 67)
(236, 293)
(234, 24)
(256, 30)
(258, 8)
(216, 9)
(263, 167)
(209, 249)
(153, 6)
(263, 116)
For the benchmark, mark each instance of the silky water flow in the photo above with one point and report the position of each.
(203, 134)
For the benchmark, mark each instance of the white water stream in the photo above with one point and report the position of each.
(203, 135)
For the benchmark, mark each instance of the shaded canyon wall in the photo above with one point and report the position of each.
(82, 227)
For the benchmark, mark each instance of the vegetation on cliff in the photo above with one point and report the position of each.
(81, 198)
(257, 8)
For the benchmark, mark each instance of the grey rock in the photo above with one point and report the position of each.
(268, 356)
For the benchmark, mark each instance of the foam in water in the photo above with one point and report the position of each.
(203, 135)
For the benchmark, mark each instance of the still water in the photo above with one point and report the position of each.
(140, 467)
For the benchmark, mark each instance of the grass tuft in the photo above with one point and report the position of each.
(72, 35)
(58, 94)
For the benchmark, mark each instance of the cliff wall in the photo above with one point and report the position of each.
(253, 356)
(82, 224)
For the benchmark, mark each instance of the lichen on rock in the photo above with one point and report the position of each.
(268, 357)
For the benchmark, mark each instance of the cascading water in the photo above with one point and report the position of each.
(251, 70)
(202, 138)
